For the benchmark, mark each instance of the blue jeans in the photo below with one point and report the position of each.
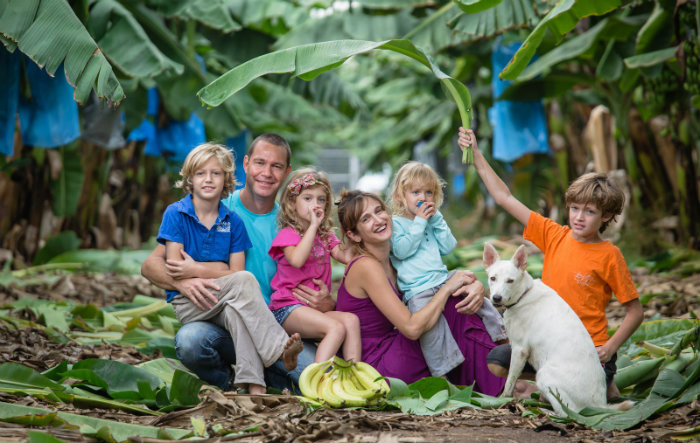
(207, 350)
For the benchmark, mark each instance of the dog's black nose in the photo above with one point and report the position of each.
(496, 298)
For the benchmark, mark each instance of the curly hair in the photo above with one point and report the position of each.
(598, 189)
(288, 215)
(412, 174)
(198, 157)
(350, 207)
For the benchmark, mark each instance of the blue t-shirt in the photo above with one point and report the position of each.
(181, 224)
(262, 229)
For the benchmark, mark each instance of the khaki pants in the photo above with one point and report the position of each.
(258, 339)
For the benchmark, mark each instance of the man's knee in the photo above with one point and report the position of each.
(201, 340)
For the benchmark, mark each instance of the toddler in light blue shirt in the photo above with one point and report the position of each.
(420, 238)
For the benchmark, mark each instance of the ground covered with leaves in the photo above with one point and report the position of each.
(28, 340)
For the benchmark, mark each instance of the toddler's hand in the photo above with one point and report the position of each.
(426, 210)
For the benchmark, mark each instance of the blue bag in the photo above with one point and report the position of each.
(519, 127)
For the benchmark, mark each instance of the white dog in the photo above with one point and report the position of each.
(545, 331)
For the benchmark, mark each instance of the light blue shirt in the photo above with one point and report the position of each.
(262, 229)
(417, 247)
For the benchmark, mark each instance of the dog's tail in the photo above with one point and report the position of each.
(622, 406)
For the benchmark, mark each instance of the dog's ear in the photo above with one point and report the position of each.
(520, 258)
(490, 255)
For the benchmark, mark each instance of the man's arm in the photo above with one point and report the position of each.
(196, 289)
(496, 187)
(320, 300)
(153, 268)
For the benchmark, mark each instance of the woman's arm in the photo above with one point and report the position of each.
(367, 277)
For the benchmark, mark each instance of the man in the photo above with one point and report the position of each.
(203, 347)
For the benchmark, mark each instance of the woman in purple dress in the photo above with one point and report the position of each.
(389, 330)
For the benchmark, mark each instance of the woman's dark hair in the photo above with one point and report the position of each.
(350, 208)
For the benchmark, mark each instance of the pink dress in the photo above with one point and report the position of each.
(317, 266)
(397, 356)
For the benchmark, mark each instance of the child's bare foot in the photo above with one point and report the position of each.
(291, 351)
(257, 389)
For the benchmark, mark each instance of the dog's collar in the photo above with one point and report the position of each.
(519, 299)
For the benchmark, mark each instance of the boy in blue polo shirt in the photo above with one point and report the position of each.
(204, 239)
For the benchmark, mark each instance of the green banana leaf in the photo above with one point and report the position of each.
(353, 24)
(432, 34)
(651, 58)
(66, 189)
(119, 431)
(511, 14)
(560, 20)
(433, 395)
(665, 333)
(272, 17)
(391, 4)
(27, 23)
(97, 260)
(309, 61)
(59, 243)
(120, 380)
(126, 43)
(211, 13)
(607, 29)
(42, 437)
(657, 31)
(474, 6)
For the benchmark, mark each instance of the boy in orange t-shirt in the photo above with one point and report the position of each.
(579, 265)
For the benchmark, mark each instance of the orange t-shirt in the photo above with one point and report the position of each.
(585, 275)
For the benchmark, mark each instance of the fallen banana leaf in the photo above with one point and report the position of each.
(119, 431)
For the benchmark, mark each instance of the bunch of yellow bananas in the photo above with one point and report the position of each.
(340, 383)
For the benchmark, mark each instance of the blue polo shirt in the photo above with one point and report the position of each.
(181, 224)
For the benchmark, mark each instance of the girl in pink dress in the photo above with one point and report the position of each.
(303, 248)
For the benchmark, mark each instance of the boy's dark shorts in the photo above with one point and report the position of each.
(500, 355)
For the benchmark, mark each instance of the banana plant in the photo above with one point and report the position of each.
(309, 61)
(25, 25)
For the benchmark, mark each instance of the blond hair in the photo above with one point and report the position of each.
(598, 189)
(411, 174)
(350, 207)
(299, 180)
(198, 157)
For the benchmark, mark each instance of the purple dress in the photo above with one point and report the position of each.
(397, 356)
